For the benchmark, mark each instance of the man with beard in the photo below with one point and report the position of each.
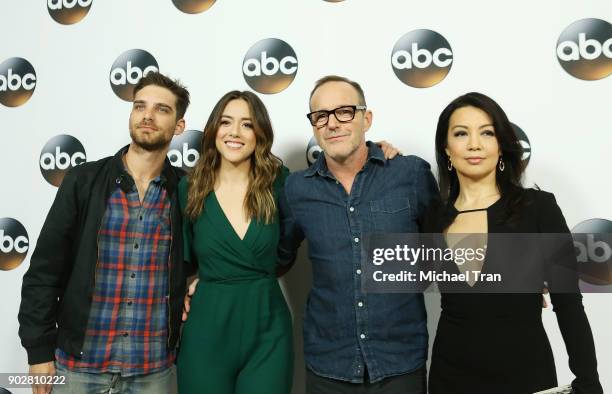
(102, 299)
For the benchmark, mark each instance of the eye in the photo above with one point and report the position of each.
(459, 133)
(224, 122)
(319, 115)
(488, 133)
(138, 107)
(163, 110)
(248, 125)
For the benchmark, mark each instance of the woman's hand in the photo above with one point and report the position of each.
(190, 292)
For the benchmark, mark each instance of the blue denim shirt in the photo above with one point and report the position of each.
(344, 328)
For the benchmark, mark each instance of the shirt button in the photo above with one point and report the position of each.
(133, 275)
(362, 336)
(360, 304)
(140, 217)
(130, 303)
(352, 209)
(136, 246)
(125, 334)
(358, 272)
(356, 240)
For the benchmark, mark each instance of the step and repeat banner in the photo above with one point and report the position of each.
(67, 69)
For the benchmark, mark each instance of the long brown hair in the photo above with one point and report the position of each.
(259, 201)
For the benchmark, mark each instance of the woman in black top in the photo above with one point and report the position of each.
(496, 343)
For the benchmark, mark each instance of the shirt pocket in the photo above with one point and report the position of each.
(392, 215)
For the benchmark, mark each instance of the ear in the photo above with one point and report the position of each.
(180, 127)
(367, 120)
(447, 152)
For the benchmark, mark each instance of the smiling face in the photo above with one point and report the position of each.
(236, 138)
(472, 145)
(153, 120)
(339, 140)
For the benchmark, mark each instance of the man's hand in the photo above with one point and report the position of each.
(388, 150)
(190, 292)
(47, 368)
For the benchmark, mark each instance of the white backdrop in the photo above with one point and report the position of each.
(504, 49)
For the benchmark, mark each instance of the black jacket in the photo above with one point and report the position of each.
(58, 287)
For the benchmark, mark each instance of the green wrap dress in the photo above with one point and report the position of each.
(238, 337)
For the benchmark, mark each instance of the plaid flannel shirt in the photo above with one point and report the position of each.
(127, 330)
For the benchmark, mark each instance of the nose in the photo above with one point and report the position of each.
(332, 122)
(148, 114)
(474, 141)
(235, 130)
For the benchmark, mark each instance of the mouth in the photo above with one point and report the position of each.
(335, 138)
(234, 144)
(474, 160)
(146, 127)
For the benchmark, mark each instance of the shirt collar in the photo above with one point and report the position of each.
(375, 154)
(125, 180)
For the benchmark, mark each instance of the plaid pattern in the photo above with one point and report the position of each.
(127, 331)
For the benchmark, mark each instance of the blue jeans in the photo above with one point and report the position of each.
(163, 382)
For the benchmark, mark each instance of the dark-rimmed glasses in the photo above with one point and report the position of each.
(343, 114)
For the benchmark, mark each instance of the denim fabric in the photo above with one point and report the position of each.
(344, 328)
(161, 382)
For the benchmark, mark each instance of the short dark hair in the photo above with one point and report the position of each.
(175, 86)
(337, 78)
(509, 180)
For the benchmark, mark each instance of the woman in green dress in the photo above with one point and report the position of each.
(238, 338)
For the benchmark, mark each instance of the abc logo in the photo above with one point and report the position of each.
(584, 49)
(313, 151)
(593, 245)
(127, 70)
(270, 66)
(14, 243)
(68, 12)
(524, 141)
(421, 58)
(17, 81)
(185, 149)
(193, 6)
(60, 154)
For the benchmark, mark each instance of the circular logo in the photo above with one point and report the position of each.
(60, 154)
(17, 81)
(313, 151)
(127, 70)
(185, 149)
(193, 6)
(593, 246)
(68, 12)
(584, 49)
(524, 141)
(421, 58)
(270, 66)
(14, 243)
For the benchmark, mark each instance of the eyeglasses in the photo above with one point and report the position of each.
(343, 114)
